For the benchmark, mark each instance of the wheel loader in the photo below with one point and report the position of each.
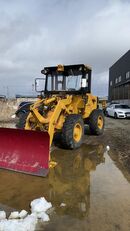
(65, 105)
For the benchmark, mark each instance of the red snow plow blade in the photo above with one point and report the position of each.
(24, 151)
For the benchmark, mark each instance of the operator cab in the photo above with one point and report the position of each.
(69, 79)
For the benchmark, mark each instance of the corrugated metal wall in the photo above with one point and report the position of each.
(120, 90)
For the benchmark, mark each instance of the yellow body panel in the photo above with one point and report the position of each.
(90, 105)
(59, 108)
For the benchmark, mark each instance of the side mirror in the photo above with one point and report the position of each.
(40, 84)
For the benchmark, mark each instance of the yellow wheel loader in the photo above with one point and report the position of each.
(64, 106)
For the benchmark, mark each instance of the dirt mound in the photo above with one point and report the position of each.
(9, 107)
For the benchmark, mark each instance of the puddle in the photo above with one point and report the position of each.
(93, 191)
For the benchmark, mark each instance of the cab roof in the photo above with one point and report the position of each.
(68, 69)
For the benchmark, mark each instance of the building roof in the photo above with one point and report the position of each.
(121, 58)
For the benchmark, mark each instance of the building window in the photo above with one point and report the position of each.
(116, 80)
(119, 79)
(127, 75)
(110, 83)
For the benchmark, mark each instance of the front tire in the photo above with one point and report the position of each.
(96, 122)
(72, 132)
(115, 115)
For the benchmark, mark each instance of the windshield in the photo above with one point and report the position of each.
(63, 83)
(73, 82)
(122, 106)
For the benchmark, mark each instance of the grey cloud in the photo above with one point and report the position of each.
(34, 34)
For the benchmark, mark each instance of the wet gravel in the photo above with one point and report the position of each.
(117, 136)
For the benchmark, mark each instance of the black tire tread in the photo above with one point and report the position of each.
(94, 129)
(115, 115)
(67, 131)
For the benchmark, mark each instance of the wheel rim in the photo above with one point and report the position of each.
(100, 122)
(77, 132)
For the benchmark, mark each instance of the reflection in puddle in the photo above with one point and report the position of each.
(70, 180)
(92, 189)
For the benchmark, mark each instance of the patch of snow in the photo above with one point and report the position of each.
(27, 224)
(62, 205)
(40, 205)
(14, 215)
(20, 221)
(13, 116)
(2, 215)
(108, 148)
(23, 214)
(43, 216)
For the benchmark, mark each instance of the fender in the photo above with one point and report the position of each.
(23, 107)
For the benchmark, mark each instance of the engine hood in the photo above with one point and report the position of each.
(123, 110)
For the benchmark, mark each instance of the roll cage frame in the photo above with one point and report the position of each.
(66, 71)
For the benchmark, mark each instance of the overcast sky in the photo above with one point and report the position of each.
(36, 33)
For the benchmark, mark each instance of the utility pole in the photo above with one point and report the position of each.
(33, 88)
(7, 90)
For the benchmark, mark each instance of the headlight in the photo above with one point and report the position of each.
(120, 112)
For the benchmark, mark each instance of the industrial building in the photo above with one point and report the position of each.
(119, 80)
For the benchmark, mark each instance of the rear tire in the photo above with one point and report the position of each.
(106, 114)
(72, 132)
(96, 122)
(22, 120)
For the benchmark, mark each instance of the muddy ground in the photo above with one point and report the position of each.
(9, 107)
